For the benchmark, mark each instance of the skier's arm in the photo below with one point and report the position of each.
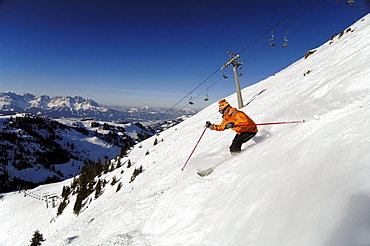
(220, 127)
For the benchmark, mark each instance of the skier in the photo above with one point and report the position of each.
(236, 120)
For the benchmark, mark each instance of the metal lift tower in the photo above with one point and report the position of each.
(234, 61)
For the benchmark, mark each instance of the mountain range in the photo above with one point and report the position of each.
(79, 107)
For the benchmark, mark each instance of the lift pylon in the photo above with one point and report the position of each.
(234, 61)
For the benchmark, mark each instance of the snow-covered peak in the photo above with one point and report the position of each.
(40, 102)
(74, 103)
(16, 102)
(12, 102)
(79, 107)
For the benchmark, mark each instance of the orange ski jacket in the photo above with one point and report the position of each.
(239, 118)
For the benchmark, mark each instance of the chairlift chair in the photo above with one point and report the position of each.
(271, 40)
(241, 71)
(191, 101)
(286, 40)
(350, 2)
(207, 98)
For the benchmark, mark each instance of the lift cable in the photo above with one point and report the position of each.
(256, 40)
(309, 15)
(278, 24)
(186, 96)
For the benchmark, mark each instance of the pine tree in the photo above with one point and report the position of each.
(78, 205)
(37, 238)
(119, 186)
(136, 172)
(61, 207)
(114, 181)
(123, 151)
(66, 192)
(98, 189)
(119, 163)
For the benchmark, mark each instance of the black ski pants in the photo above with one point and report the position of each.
(239, 139)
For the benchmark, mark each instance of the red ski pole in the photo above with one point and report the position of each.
(274, 123)
(205, 128)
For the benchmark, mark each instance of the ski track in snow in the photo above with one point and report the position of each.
(295, 184)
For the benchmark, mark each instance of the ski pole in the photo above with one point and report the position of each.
(274, 123)
(205, 128)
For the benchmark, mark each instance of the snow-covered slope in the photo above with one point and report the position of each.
(294, 184)
(37, 149)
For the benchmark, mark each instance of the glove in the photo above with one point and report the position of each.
(230, 125)
(209, 125)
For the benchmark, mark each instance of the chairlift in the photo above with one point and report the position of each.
(207, 97)
(286, 40)
(339, 1)
(241, 71)
(362, 8)
(224, 74)
(271, 40)
(191, 101)
(350, 2)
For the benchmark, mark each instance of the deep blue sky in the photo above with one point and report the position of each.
(135, 53)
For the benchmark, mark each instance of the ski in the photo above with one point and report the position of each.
(206, 172)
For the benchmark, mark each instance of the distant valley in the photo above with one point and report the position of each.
(45, 139)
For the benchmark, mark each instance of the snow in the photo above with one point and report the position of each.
(85, 148)
(293, 184)
(45, 102)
